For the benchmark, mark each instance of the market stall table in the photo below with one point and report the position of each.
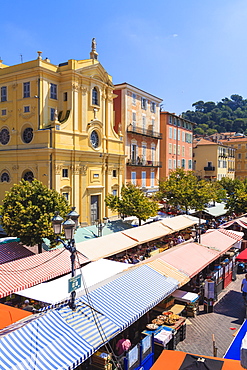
(190, 299)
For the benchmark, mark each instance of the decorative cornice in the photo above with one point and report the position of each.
(58, 169)
(27, 115)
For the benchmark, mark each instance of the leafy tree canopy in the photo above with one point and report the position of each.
(236, 191)
(230, 114)
(182, 189)
(132, 202)
(27, 211)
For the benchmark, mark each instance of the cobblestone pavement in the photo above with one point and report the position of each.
(229, 312)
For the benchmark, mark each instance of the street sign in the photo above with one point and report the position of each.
(74, 283)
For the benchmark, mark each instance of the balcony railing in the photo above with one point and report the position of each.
(209, 168)
(143, 163)
(144, 132)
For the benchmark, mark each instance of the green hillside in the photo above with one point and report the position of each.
(228, 115)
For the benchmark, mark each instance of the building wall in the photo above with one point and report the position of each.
(240, 146)
(77, 151)
(140, 124)
(213, 161)
(176, 146)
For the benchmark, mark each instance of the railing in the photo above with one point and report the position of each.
(209, 168)
(144, 132)
(143, 163)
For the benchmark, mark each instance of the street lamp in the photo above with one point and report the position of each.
(69, 227)
(196, 233)
(100, 225)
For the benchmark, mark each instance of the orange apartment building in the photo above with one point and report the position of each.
(176, 146)
(137, 118)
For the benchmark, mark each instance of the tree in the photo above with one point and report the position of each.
(132, 202)
(183, 190)
(236, 197)
(27, 211)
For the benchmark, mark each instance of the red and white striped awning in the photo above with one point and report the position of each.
(27, 272)
(13, 250)
(237, 235)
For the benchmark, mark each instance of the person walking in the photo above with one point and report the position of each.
(244, 288)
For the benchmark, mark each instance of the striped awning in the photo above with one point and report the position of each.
(169, 271)
(56, 339)
(45, 342)
(217, 240)
(94, 327)
(12, 250)
(126, 299)
(32, 270)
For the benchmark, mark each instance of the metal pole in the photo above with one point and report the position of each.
(200, 227)
(72, 250)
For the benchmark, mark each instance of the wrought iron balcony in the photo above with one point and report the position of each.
(209, 168)
(144, 132)
(143, 163)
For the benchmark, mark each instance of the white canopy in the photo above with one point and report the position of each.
(57, 290)
(106, 246)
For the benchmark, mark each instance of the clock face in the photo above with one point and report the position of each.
(94, 139)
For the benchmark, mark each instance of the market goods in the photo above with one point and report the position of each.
(167, 313)
(152, 326)
(158, 322)
(174, 317)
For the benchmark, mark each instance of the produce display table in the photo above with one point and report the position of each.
(177, 309)
(177, 325)
(190, 299)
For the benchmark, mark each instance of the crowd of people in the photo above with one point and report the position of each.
(26, 304)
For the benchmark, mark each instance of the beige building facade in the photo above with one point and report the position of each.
(239, 144)
(57, 125)
(137, 118)
(212, 160)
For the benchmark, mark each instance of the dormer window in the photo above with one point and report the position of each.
(95, 96)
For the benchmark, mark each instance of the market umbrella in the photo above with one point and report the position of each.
(9, 315)
(174, 360)
(242, 257)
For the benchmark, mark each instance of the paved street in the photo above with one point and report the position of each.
(228, 313)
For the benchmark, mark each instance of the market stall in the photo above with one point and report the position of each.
(176, 360)
(9, 315)
(190, 299)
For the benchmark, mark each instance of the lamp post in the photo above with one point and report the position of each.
(69, 227)
(196, 233)
(100, 225)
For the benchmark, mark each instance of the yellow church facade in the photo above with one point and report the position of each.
(57, 125)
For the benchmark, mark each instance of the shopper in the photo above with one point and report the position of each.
(244, 288)
(122, 345)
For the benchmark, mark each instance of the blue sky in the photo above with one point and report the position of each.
(181, 50)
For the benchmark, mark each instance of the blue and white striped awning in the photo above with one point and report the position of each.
(49, 342)
(126, 299)
(94, 327)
